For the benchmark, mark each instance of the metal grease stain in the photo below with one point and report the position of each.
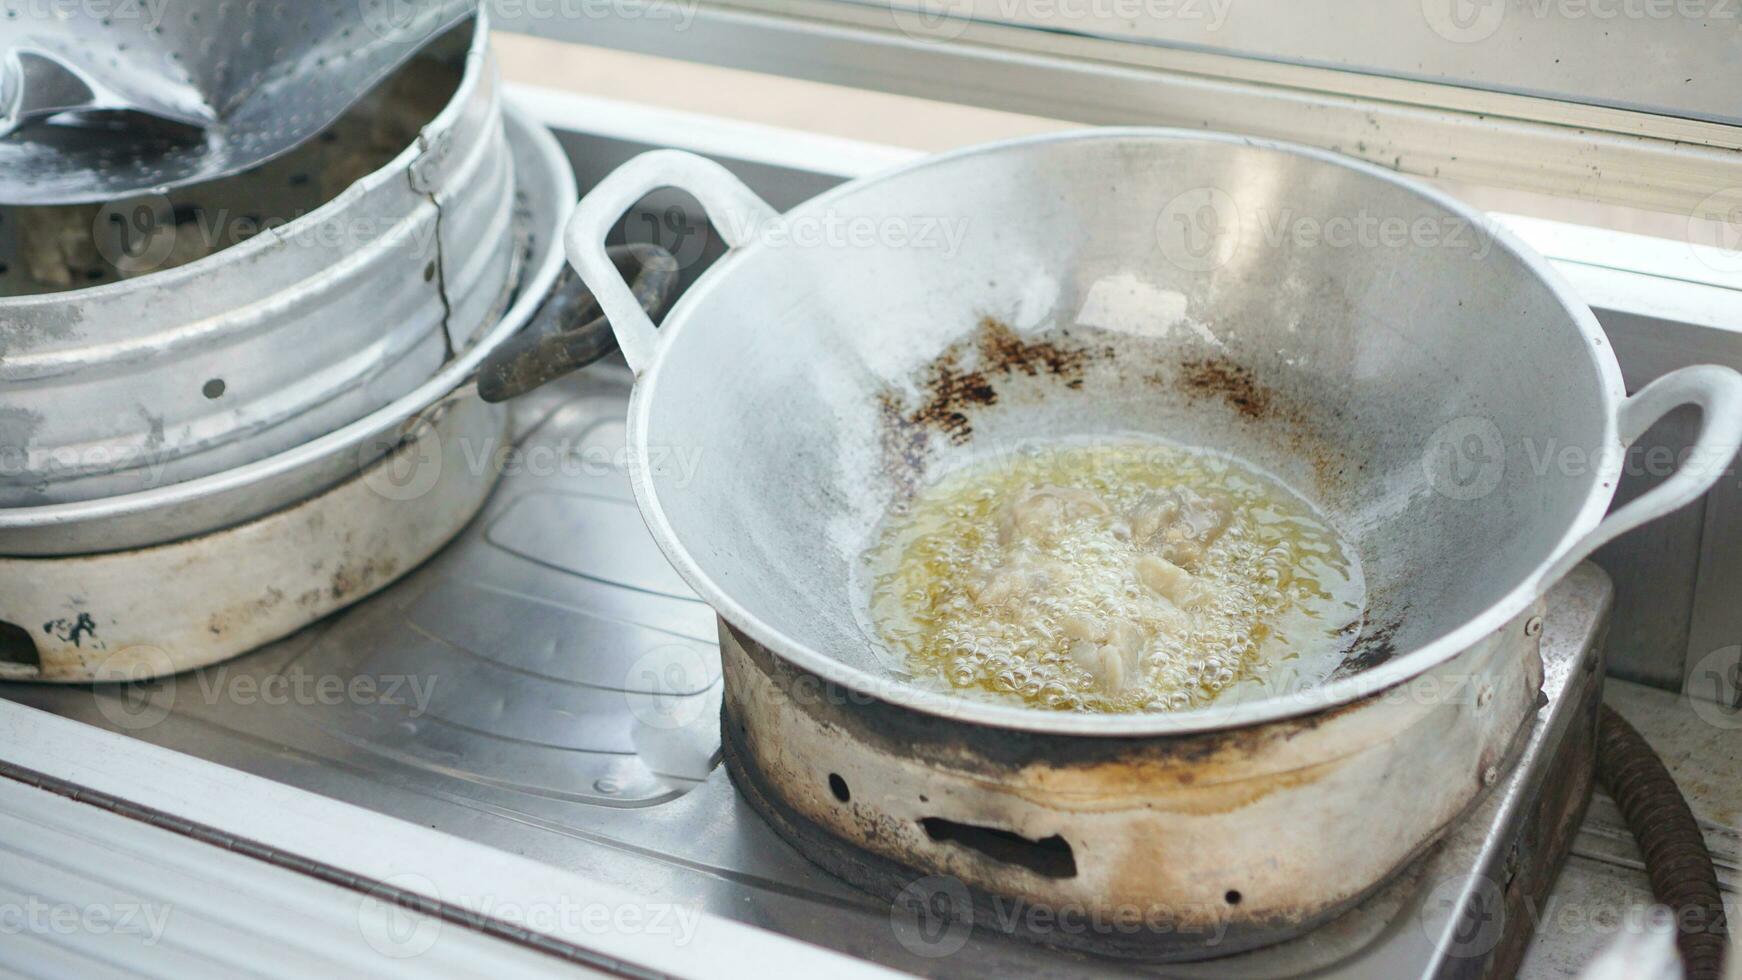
(72, 630)
(1373, 647)
(1301, 429)
(221, 622)
(351, 579)
(1231, 382)
(952, 387)
(361, 576)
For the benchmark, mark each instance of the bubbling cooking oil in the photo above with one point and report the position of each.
(1108, 576)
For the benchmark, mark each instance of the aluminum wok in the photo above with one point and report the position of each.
(1347, 371)
(1378, 346)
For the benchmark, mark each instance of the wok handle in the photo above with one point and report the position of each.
(734, 210)
(1718, 392)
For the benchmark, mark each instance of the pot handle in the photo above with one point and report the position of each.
(564, 335)
(734, 209)
(1718, 392)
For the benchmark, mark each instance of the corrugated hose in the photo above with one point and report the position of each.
(1676, 859)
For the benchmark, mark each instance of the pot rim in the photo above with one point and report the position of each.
(471, 77)
(1395, 671)
(535, 282)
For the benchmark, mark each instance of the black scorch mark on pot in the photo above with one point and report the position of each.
(72, 630)
(1373, 647)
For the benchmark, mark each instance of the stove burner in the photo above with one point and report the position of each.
(538, 614)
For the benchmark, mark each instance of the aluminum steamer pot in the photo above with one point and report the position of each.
(369, 502)
(134, 384)
(1114, 281)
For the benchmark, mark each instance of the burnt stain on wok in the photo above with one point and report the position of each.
(1219, 377)
(1002, 352)
(1375, 645)
(966, 377)
(963, 378)
(1318, 434)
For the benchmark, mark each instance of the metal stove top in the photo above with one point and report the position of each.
(548, 686)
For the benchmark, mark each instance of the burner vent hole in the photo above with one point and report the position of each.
(1233, 897)
(17, 647)
(838, 786)
(1049, 858)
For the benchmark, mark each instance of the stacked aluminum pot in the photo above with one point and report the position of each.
(218, 406)
(158, 374)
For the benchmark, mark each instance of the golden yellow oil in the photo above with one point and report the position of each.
(1113, 575)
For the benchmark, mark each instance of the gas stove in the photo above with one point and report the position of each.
(547, 686)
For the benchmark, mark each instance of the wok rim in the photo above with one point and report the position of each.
(1397, 670)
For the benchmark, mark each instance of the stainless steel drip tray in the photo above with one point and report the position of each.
(547, 686)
